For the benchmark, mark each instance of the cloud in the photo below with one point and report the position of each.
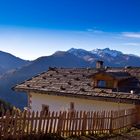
(95, 30)
(131, 44)
(131, 34)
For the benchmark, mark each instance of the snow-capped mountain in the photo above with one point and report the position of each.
(81, 53)
(102, 52)
(110, 57)
(96, 52)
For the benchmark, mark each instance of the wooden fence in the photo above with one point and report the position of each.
(18, 124)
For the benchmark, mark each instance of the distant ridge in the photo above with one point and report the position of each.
(9, 61)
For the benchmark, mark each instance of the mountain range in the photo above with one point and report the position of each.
(110, 57)
(14, 70)
(9, 62)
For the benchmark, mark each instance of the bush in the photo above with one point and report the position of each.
(4, 106)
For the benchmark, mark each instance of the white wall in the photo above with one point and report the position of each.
(57, 103)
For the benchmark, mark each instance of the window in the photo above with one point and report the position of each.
(45, 109)
(72, 106)
(102, 83)
(71, 109)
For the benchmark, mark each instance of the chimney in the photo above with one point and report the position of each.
(99, 64)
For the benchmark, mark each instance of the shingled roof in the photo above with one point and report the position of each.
(76, 82)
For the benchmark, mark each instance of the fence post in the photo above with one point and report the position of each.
(111, 123)
(59, 125)
(137, 119)
(84, 124)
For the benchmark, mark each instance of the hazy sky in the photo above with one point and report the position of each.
(33, 28)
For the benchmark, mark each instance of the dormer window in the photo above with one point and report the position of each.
(112, 80)
(102, 83)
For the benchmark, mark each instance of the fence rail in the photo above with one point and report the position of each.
(17, 124)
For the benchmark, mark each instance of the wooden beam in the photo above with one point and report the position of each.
(115, 84)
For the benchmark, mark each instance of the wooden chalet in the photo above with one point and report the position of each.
(105, 84)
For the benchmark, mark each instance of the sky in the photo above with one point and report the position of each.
(33, 28)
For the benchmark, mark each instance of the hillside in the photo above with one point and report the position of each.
(9, 62)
